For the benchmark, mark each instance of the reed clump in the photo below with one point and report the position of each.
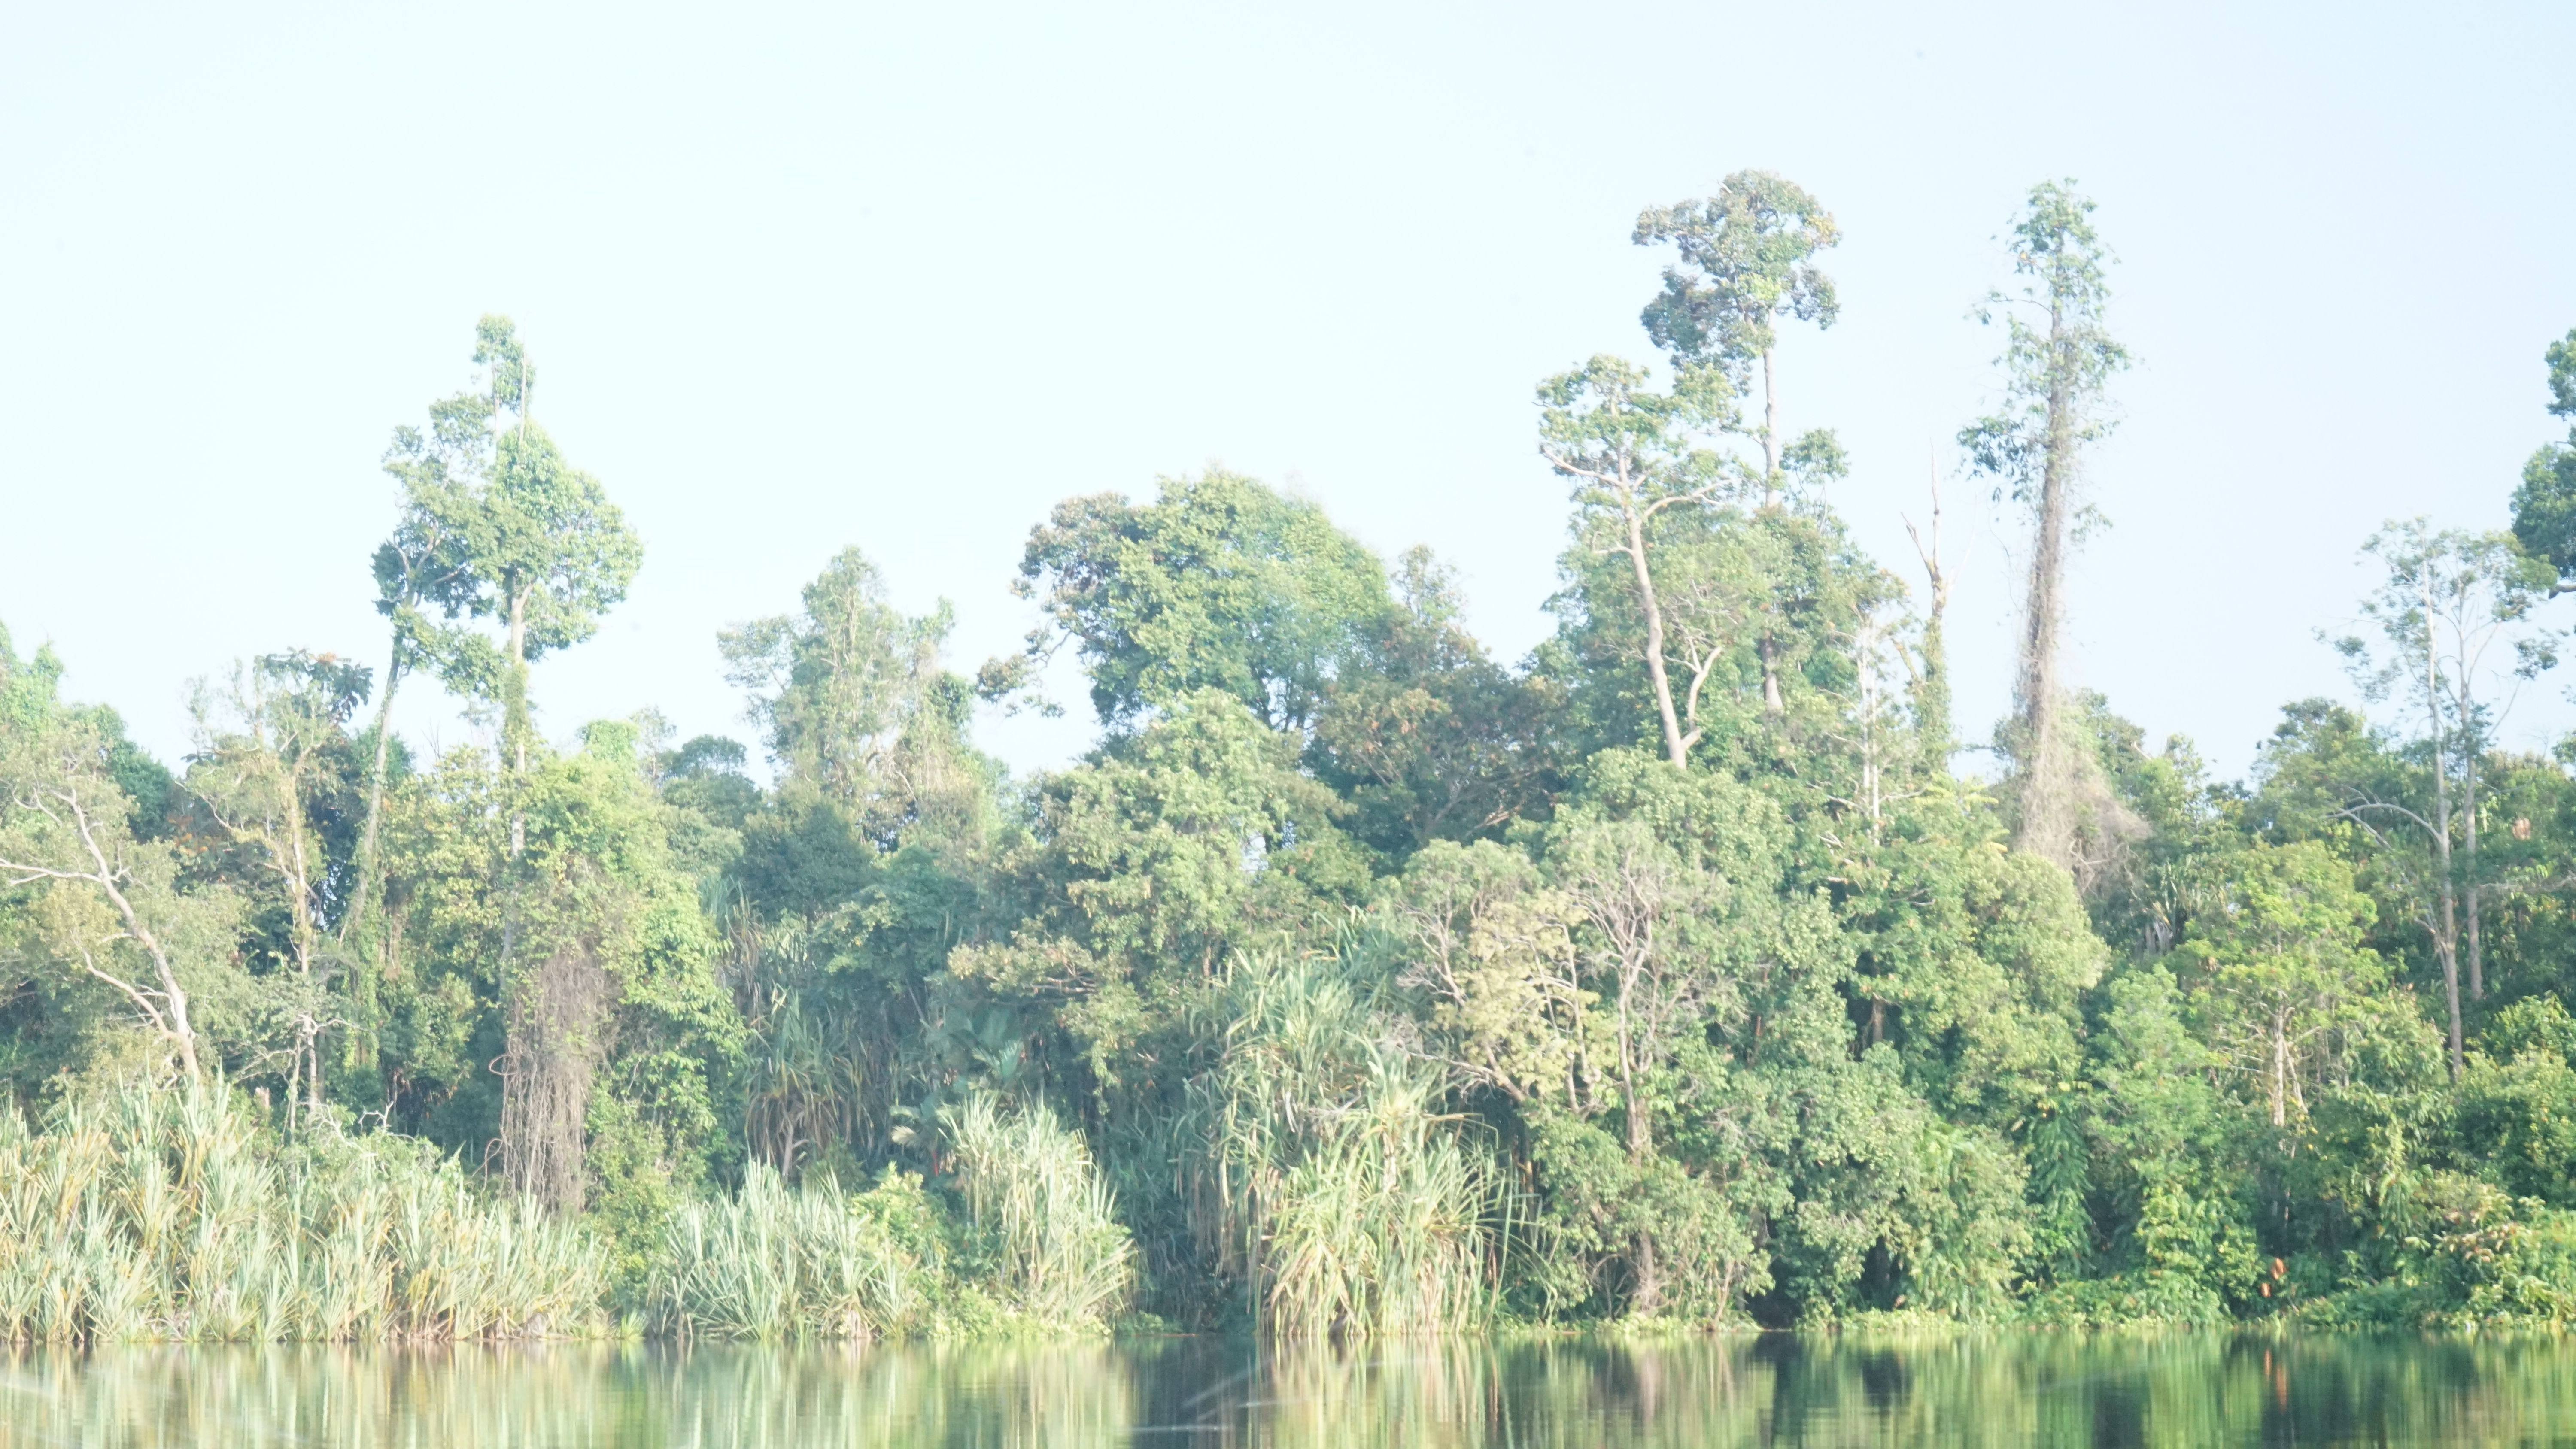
(1045, 1225)
(776, 1263)
(1331, 1176)
(1038, 1246)
(168, 1215)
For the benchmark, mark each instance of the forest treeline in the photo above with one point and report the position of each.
(1358, 982)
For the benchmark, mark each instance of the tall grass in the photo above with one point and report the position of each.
(1331, 1177)
(167, 1215)
(778, 1263)
(1058, 1254)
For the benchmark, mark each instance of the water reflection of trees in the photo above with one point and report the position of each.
(1990, 1390)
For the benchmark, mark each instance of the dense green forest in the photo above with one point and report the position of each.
(1698, 969)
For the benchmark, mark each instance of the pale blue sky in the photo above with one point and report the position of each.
(903, 276)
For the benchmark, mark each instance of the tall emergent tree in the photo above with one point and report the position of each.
(1220, 583)
(531, 543)
(544, 551)
(423, 569)
(2058, 361)
(1747, 257)
(1631, 454)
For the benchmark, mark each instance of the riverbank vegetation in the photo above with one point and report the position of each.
(1693, 970)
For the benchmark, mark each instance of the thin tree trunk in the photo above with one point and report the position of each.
(1932, 690)
(375, 793)
(1646, 1284)
(1771, 701)
(2447, 938)
(514, 717)
(308, 935)
(2280, 1071)
(2469, 824)
(1770, 430)
(1674, 749)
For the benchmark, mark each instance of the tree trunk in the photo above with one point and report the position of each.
(1932, 689)
(2047, 824)
(2447, 936)
(514, 716)
(375, 793)
(1674, 749)
(1770, 431)
(556, 1017)
(2280, 1070)
(1771, 702)
(1646, 1289)
(2469, 825)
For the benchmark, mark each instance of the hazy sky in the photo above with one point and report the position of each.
(904, 276)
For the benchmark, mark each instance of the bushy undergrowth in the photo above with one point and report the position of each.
(170, 1215)
(1046, 1230)
(1357, 1205)
(1037, 1247)
(777, 1262)
(175, 1216)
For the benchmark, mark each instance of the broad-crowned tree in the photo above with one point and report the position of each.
(853, 700)
(1426, 736)
(1220, 583)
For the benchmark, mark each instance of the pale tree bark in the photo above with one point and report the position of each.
(2047, 824)
(165, 1007)
(2446, 940)
(1675, 748)
(2469, 895)
(276, 824)
(2280, 1067)
(1624, 485)
(1766, 647)
(1932, 686)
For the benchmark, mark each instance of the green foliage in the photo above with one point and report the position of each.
(1220, 584)
(2058, 355)
(1747, 255)
(1329, 1180)
(1357, 984)
(779, 1263)
(1046, 1226)
(170, 1215)
(2544, 507)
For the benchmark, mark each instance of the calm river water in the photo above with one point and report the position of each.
(1997, 1389)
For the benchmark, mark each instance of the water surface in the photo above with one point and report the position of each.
(1978, 1390)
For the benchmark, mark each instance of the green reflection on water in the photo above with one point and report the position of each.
(1998, 1390)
